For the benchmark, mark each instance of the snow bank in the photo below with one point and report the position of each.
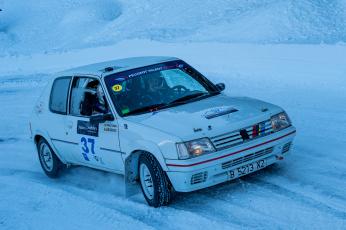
(58, 25)
(39, 25)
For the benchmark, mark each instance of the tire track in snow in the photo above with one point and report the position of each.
(228, 193)
(276, 172)
(218, 193)
(105, 200)
(209, 208)
(137, 210)
(314, 190)
(244, 212)
(118, 204)
(299, 197)
(99, 213)
(9, 139)
(226, 211)
(142, 212)
(199, 209)
(5, 172)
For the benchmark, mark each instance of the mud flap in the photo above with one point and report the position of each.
(132, 187)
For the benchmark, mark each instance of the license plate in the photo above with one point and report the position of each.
(246, 169)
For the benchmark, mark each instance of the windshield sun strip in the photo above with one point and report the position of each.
(204, 82)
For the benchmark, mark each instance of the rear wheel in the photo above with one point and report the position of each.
(50, 163)
(155, 185)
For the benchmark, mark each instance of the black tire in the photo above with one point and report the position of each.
(163, 190)
(56, 165)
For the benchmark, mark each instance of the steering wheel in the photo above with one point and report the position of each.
(180, 89)
(146, 98)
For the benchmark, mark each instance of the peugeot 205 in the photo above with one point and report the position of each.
(157, 121)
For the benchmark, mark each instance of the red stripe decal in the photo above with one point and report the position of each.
(254, 131)
(230, 154)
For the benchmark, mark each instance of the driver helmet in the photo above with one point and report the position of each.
(100, 95)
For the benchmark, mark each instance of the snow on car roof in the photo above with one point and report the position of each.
(115, 66)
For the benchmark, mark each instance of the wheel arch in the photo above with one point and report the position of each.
(39, 135)
(37, 138)
(131, 170)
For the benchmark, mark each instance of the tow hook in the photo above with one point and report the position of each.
(279, 158)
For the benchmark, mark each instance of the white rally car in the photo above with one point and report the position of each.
(157, 121)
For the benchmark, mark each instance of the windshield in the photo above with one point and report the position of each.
(157, 86)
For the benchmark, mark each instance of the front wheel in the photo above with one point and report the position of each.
(50, 163)
(154, 183)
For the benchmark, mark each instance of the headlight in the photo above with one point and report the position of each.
(280, 121)
(194, 148)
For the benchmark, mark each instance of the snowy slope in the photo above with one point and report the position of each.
(306, 191)
(55, 25)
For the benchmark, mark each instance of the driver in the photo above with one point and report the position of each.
(157, 86)
(156, 83)
(100, 105)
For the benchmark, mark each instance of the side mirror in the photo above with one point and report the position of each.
(220, 86)
(101, 118)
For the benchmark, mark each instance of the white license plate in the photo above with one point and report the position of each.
(246, 169)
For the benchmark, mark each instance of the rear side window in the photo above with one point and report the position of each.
(59, 95)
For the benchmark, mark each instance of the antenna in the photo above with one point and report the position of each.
(109, 69)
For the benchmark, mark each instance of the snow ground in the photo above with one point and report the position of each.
(306, 191)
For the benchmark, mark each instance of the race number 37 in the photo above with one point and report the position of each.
(88, 146)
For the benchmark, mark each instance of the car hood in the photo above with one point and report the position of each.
(208, 117)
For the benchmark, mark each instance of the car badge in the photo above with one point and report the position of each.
(243, 133)
(219, 111)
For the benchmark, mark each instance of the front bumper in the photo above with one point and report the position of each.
(205, 171)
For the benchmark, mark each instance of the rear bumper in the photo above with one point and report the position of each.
(212, 169)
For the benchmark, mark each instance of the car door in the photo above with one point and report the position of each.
(55, 122)
(98, 144)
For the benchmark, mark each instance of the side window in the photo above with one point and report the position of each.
(59, 94)
(87, 97)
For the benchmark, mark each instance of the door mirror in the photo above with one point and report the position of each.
(101, 118)
(220, 86)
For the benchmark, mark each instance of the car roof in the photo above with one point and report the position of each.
(115, 66)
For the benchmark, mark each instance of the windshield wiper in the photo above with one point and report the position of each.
(182, 100)
(188, 97)
(149, 108)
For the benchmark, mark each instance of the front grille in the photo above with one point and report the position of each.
(286, 147)
(237, 137)
(199, 177)
(247, 158)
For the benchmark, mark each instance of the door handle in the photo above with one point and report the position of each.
(69, 124)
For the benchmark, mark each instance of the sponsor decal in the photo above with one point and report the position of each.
(125, 110)
(258, 130)
(219, 111)
(117, 88)
(254, 131)
(110, 128)
(146, 71)
(99, 159)
(87, 128)
(142, 71)
(261, 128)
